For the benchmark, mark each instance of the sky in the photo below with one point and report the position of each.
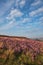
(21, 18)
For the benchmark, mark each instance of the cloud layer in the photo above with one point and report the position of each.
(22, 17)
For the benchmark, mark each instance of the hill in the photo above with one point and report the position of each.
(20, 51)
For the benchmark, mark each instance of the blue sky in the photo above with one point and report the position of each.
(21, 18)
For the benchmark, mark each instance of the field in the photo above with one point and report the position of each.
(20, 51)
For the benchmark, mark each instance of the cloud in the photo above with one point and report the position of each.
(17, 3)
(14, 13)
(37, 2)
(15, 21)
(11, 19)
(8, 25)
(41, 21)
(5, 7)
(22, 3)
(25, 20)
(41, 18)
(36, 12)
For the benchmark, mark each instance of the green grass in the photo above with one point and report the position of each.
(20, 59)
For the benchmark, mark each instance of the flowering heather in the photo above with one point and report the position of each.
(27, 51)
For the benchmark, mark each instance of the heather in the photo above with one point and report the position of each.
(18, 51)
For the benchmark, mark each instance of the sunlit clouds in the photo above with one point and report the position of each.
(21, 18)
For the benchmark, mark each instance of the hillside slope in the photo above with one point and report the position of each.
(20, 51)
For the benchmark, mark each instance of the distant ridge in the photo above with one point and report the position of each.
(13, 36)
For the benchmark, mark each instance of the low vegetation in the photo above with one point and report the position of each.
(20, 58)
(21, 52)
